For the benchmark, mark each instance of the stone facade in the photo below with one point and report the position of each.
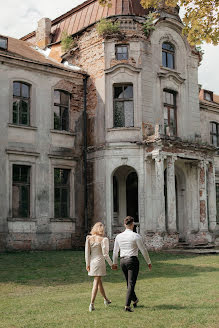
(42, 149)
(165, 181)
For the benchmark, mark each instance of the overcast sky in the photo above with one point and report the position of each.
(20, 18)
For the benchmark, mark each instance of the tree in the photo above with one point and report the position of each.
(201, 17)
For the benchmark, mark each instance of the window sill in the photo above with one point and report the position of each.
(63, 132)
(168, 69)
(62, 220)
(21, 220)
(33, 128)
(124, 129)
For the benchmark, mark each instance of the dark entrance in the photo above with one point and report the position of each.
(132, 195)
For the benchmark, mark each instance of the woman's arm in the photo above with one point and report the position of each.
(105, 250)
(87, 252)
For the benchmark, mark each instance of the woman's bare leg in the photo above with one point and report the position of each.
(95, 289)
(101, 289)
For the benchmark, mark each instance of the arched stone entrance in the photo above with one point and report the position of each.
(125, 196)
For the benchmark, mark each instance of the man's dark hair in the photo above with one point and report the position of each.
(128, 220)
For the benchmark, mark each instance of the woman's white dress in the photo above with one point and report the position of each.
(95, 255)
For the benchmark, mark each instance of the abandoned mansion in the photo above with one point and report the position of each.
(114, 124)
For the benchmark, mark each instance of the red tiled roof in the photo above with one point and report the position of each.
(88, 13)
(22, 50)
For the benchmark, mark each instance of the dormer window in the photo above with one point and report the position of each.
(121, 52)
(208, 95)
(3, 43)
(168, 54)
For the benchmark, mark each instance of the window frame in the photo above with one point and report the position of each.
(214, 134)
(28, 99)
(122, 100)
(60, 106)
(166, 52)
(21, 184)
(62, 187)
(217, 212)
(169, 108)
(210, 93)
(5, 39)
(117, 53)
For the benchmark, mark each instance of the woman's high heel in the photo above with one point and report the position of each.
(91, 308)
(107, 302)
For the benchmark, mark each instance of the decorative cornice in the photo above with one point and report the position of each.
(174, 75)
(122, 66)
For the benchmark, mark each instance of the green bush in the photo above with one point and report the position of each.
(107, 27)
(148, 26)
(67, 42)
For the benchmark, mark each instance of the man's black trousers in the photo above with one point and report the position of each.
(130, 268)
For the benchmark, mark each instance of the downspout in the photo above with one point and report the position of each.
(85, 156)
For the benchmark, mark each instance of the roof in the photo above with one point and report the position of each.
(88, 13)
(23, 50)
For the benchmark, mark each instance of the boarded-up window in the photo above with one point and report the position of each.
(62, 193)
(123, 106)
(61, 110)
(21, 191)
(21, 103)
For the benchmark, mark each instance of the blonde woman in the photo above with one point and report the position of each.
(96, 252)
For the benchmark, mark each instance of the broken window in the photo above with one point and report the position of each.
(21, 191)
(217, 202)
(169, 101)
(214, 132)
(123, 106)
(121, 52)
(61, 110)
(168, 54)
(21, 103)
(62, 193)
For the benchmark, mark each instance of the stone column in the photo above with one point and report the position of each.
(171, 195)
(203, 196)
(160, 201)
(211, 197)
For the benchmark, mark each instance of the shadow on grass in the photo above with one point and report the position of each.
(68, 267)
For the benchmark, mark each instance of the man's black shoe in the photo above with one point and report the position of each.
(135, 303)
(128, 309)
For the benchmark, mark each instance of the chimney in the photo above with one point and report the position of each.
(43, 33)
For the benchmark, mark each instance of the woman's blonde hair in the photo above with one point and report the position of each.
(98, 229)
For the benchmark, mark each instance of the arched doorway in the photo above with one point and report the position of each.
(125, 196)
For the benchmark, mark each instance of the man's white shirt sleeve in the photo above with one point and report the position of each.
(143, 249)
(115, 252)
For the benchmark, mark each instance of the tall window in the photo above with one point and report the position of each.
(61, 110)
(62, 193)
(123, 106)
(21, 103)
(121, 52)
(214, 132)
(217, 202)
(168, 54)
(170, 122)
(21, 191)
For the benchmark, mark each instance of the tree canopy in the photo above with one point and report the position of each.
(201, 17)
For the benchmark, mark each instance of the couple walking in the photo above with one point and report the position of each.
(97, 251)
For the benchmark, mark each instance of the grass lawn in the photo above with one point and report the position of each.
(52, 289)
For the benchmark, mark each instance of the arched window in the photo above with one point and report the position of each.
(61, 110)
(168, 54)
(123, 105)
(21, 103)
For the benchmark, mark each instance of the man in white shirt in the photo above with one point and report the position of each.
(128, 243)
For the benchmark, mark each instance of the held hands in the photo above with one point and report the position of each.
(150, 266)
(114, 267)
(88, 268)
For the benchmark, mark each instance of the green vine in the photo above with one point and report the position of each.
(148, 25)
(67, 42)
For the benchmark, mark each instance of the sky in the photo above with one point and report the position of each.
(20, 18)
